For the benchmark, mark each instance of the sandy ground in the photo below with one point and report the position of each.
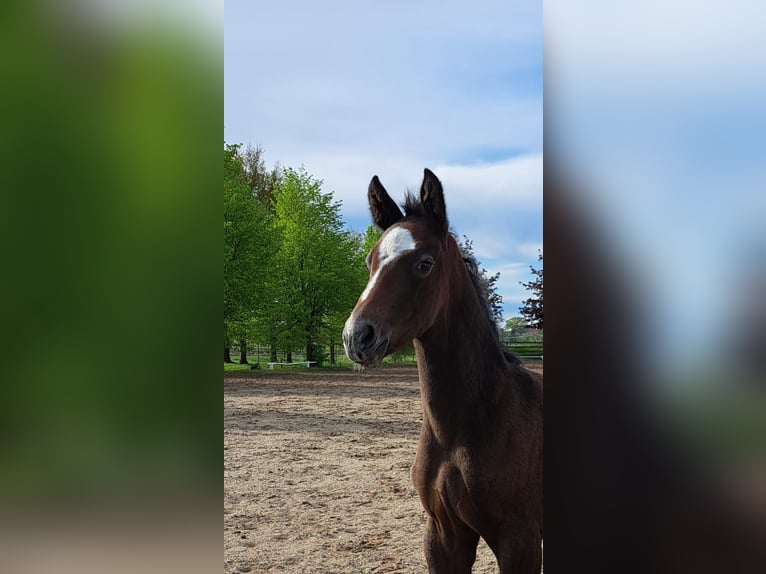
(316, 471)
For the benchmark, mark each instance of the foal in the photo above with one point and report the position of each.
(478, 468)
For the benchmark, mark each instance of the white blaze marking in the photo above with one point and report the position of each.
(395, 242)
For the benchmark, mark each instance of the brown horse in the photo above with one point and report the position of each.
(479, 466)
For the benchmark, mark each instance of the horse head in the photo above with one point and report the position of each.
(410, 270)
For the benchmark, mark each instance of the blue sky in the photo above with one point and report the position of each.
(352, 89)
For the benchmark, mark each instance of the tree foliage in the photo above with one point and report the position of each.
(248, 246)
(366, 243)
(316, 272)
(371, 236)
(532, 308)
(515, 326)
(262, 182)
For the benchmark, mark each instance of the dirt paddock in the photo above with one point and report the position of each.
(316, 473)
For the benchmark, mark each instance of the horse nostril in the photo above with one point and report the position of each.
(366, 335)
(364, 342)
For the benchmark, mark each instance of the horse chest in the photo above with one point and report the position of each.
(449, 484)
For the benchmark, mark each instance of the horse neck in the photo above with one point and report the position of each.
(459, 358)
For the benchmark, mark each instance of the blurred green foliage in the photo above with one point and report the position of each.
(110, 239)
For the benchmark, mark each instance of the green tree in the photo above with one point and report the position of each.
(249, 242)
(265, 324)
(317, 276)
(532, 308)
(337, 319)
(262, 182)
(366, 243)
(362, 245)
(371, 236)
(515, 326)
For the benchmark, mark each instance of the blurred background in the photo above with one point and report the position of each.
(110, 451)
(655, 235)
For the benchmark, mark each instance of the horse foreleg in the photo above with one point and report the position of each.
(450, 549)
(520, 554)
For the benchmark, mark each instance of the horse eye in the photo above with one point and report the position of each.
(425, 265)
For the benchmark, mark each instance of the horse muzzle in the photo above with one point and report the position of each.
(364, 343)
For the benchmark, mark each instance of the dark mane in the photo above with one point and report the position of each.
(413, 209)
(481, 285)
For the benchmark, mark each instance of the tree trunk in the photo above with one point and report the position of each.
(273, 350)
(332, 353)
(313, 352)
(289, 358)
(227, 353)
(310, 348)
(243, 352)
(313, 349)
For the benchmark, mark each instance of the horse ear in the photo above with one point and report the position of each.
(384, 210)
(432, 199)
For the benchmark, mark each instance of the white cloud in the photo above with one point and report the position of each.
(516, 182)
(496, 242)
